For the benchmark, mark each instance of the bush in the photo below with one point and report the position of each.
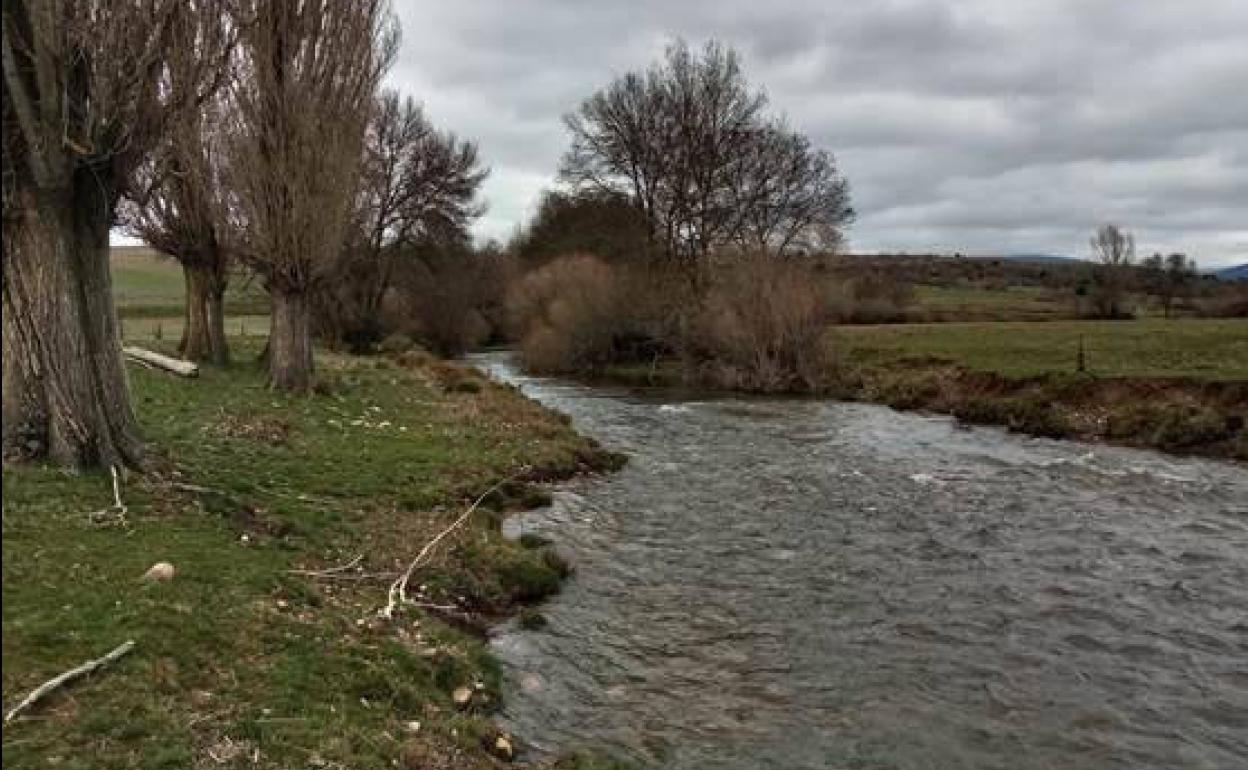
(873, 298)
(396, 343)
(1225, 302)
(566, 315)
(761, 328)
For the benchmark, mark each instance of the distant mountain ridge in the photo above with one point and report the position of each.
(1041, 258)
(1236, 273)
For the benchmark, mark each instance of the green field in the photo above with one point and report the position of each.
(148, 285)
(1201, 349)
(970, 303)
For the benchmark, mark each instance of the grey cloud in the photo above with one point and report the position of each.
(971, 125)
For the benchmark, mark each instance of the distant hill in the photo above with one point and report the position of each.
(1041, 258)
(1237, 273)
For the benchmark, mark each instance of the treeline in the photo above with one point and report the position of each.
(230, 135)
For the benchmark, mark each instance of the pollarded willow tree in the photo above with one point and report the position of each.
(90, 86)
(180, 207)
(308, 75)
(690, 145)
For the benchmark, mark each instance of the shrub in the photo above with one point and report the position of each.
(1226, 302)
(761, 327)
(566, 315)
(872, 298)
(396, 343)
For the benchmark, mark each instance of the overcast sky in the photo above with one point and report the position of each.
(982, 126)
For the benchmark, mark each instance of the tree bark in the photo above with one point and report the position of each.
(203, 338)
(60, 330)
(290, 343)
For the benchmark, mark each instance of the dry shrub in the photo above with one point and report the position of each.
(566, 314)
(451, 304)
(870, 298)
(1227, 302)
(761, 328)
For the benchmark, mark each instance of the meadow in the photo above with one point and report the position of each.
(241, 659)
(1202, 349)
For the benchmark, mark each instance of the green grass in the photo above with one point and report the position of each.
(169, 328)
(236, 657)
(971, 303)
(146, 285)
(1199, 349)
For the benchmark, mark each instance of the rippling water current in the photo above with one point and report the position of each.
(811, 584)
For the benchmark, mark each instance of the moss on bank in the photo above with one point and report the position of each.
(241, 662)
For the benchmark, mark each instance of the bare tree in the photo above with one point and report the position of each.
(418, 186)
(788, 195)
(1114, 250)
(179, 208)
(309, 72)
(1169, 278)
(687, 141)
(89, 88)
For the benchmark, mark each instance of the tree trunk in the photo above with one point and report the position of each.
(290, 342)
(60, 330)
(216, 324)
(203, 338)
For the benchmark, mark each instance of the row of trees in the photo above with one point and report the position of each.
(225, 133)
(1117, 273)
(90, 88)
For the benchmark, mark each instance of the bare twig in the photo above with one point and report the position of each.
(118, 509)
(62, 679)
(398, 589)
(328, 572)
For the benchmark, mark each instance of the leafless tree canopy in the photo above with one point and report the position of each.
(1113, 246)
(688, 141)
(417, 193)
(178, 206)
(89, 88)
(94, 84)
(1169, 278)
(308, 74)
(1114, 249)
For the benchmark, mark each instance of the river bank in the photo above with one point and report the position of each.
(264, 650)
(1176, 386)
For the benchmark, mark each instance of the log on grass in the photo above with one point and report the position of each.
(168, 363)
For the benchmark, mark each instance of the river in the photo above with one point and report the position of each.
(786, 583)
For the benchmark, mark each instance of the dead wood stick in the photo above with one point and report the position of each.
(327, 572)
(398, 589)
(62, 679)
(118, 509)
(168, 363)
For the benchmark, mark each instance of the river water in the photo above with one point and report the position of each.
(811, 584)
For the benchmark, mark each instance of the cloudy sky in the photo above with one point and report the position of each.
(981, 126)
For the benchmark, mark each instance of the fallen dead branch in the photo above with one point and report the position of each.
(398, 589)
(167, 363)
(331, 571)
(115, 512)
(62, 679)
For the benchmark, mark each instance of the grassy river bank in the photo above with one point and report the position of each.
(245, 658)
(1175, 386)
